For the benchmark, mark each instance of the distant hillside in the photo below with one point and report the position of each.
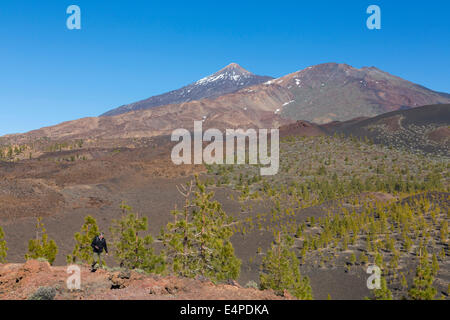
(424, 129)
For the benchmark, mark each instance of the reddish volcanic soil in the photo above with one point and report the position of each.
(301, 128)
(441, 134)
(20, 281)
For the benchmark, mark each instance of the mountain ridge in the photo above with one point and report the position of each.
(319, 94)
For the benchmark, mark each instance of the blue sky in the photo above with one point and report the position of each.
(130, 50)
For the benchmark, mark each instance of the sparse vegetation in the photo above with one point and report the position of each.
(362, 194)
(337, 204)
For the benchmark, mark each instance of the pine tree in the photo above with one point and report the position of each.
(131, 250)
(383, 293)
(280, 269)
(3, 247)
(353, 259)
(363, 259)
(198, 240)
(379, 260)
(83, 239)
(403, 281)
(435, 265)
(41, 246)
(444, 231)
(422, 288)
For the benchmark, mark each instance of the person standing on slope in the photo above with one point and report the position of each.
(98, 244)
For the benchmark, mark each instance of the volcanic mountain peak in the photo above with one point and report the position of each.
(227, 80)
(336, 91)
(232, 72)
(331, 71)
(234, 67)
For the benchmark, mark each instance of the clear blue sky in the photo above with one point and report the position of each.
(130, 50)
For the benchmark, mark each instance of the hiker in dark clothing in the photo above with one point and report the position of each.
(98, 244)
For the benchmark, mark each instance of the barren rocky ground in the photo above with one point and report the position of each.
(21, 281)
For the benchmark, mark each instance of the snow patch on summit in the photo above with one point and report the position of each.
(232, 76)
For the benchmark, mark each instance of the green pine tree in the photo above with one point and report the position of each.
(422, 288)
(403, 281)
(198, 240)
(383, 293)
(131, 250)
(3, 247)
(353, 259)
(280, 269)
(363, 259)
(42, 246)
(83, 239)
(435, 265)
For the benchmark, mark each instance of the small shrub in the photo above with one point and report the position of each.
(141, 271)
(252, 284)
(43, 293)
